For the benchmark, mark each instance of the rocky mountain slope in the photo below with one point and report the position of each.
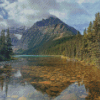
(45, 30)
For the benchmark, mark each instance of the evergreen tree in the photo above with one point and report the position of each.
(3, 43)
(89, 30)
(96, 39)
(95, 23)
(9, 45)
(85, 32)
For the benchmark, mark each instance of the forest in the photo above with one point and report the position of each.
(5, 46)
(84, 47)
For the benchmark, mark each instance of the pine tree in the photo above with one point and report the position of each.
(96, 40)
(95, 23)
(3, 43)
(9, 45)
(85, 32)
(89, 30)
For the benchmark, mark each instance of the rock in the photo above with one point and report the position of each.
(22, 98)
(45, 82)
(83, 96)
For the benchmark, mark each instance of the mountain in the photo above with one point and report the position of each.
(18, 30)
(16, 34)
(49, 29)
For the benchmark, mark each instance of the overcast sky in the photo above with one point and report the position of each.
(76, 13)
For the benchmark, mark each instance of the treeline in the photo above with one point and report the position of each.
(5, 46)
(84, 47)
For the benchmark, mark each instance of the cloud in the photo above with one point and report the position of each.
(1, 1)
(1, 17)
(26, 12)
(11, 1)
(4, 3)
(78, 1)
(87, 1)
(15, 13)
(72, 13)
(3, 13)
(3, 23)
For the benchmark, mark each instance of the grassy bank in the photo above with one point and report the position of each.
(84, 63)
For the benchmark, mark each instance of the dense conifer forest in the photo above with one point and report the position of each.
(5, 46)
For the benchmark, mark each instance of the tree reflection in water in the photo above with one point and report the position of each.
(5, 74)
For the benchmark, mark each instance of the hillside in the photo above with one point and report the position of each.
(51, 47)
(49, 29)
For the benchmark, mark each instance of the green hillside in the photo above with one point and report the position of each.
(48, 47)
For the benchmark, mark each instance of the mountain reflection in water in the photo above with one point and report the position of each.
(49, 78)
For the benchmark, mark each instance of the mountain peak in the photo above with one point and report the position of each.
(52, 16)
(51, 20)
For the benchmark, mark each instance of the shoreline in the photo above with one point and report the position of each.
(84, 63)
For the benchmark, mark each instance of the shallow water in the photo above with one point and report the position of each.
(49, 78)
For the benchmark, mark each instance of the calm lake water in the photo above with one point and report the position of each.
(48, 78)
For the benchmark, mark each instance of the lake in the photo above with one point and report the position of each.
(37, 77)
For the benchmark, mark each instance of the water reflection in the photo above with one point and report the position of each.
(5, 73)
(57, 75)
(49, 78)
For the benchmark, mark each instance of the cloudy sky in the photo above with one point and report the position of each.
(76, 13)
